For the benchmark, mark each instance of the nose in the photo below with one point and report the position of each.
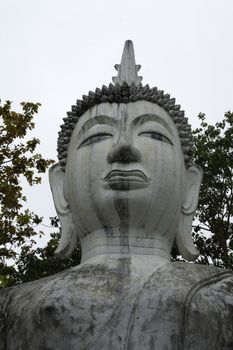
(123, 152)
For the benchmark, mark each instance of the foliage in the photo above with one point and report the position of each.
(18, 160)
(214, 153)
(41, 262)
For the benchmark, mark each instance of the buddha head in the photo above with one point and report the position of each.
(125, 181)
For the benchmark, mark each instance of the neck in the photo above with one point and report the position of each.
(135, 243)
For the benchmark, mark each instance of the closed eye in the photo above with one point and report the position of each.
(94, 138)
(156, 136)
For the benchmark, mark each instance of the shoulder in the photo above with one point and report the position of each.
(206, 303)
(190, 281)
(69, 286)
(192, 304)
(68, 301)
(198, 271)
(77, 277)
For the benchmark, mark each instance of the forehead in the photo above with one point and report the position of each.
(126, 111)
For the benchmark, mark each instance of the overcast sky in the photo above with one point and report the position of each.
(53, 51)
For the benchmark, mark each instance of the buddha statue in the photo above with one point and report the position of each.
(127, 187)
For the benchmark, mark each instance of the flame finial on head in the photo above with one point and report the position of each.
(128, 69)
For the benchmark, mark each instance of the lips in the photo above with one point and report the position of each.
(125, 180)
(126, 176)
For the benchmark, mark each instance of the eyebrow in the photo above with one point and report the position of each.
(99, 119)
(104, 119)
(141, 119)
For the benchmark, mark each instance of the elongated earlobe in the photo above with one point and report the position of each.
(69, 237)
(183, 237)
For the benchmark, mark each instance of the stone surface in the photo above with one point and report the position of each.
(125, 188)
(119, 303)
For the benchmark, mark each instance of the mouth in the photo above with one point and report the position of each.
(126, 179)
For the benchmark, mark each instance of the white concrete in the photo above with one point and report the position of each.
(127, 194)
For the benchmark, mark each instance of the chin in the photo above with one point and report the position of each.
(122, 204)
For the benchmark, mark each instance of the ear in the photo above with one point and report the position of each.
(69, 237)
(183, 237)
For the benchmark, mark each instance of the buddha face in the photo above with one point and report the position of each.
(125, 170)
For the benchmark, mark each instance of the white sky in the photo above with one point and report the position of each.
(53, 51)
